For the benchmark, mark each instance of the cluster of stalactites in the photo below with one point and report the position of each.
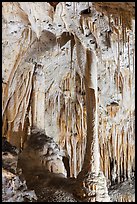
(116, 133)
(117, 150)
(68, 109)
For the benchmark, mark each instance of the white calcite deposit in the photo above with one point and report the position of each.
(68, 69)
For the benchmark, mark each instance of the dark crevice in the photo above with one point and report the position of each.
(66, 164)
(53, 4)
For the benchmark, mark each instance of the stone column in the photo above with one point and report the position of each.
(91, 182)
(92, 156)
(38, 98)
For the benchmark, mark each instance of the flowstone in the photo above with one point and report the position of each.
(92, 188)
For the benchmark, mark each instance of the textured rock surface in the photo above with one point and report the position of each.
(50, 187)
(41, 152)
(44, 64)
(14, 189)
(93, 188)
(123, 192)
(9, 156)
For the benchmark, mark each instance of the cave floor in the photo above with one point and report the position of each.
(50, 187)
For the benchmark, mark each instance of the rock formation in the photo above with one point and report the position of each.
(68, 70)
(14, 189)
(41, 152)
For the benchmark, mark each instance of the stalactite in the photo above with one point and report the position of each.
(74, 144)
(101, 158)
(54, 104)
(133, 63)
(118, 64)
(104, 158)
(66, 143)
(27, 97)
(20, 100)
(59, 102)
(71, 160)
(106, 169)
(128, 157)
(19, 58)
(114, 143)
(123, 32)
(79, 157)
(122, 157)
(93, 27)
(75, 8)
(9, 131)
(21, 136)
(125, 150)
(82, 119)
(88, 23)
(109, 173)
(66, 117)
(30, 119)
(129, 63)
(58, 49)
(117, 136)
(81, 83)
(120, 153)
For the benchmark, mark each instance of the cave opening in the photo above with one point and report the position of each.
(66, 164)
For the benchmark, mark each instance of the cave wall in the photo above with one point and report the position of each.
(43, 78)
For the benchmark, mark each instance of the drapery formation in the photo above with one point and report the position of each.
(61, 70)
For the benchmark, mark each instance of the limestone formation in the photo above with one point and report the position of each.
(14, 188)
(41, 152)
(68, 70)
